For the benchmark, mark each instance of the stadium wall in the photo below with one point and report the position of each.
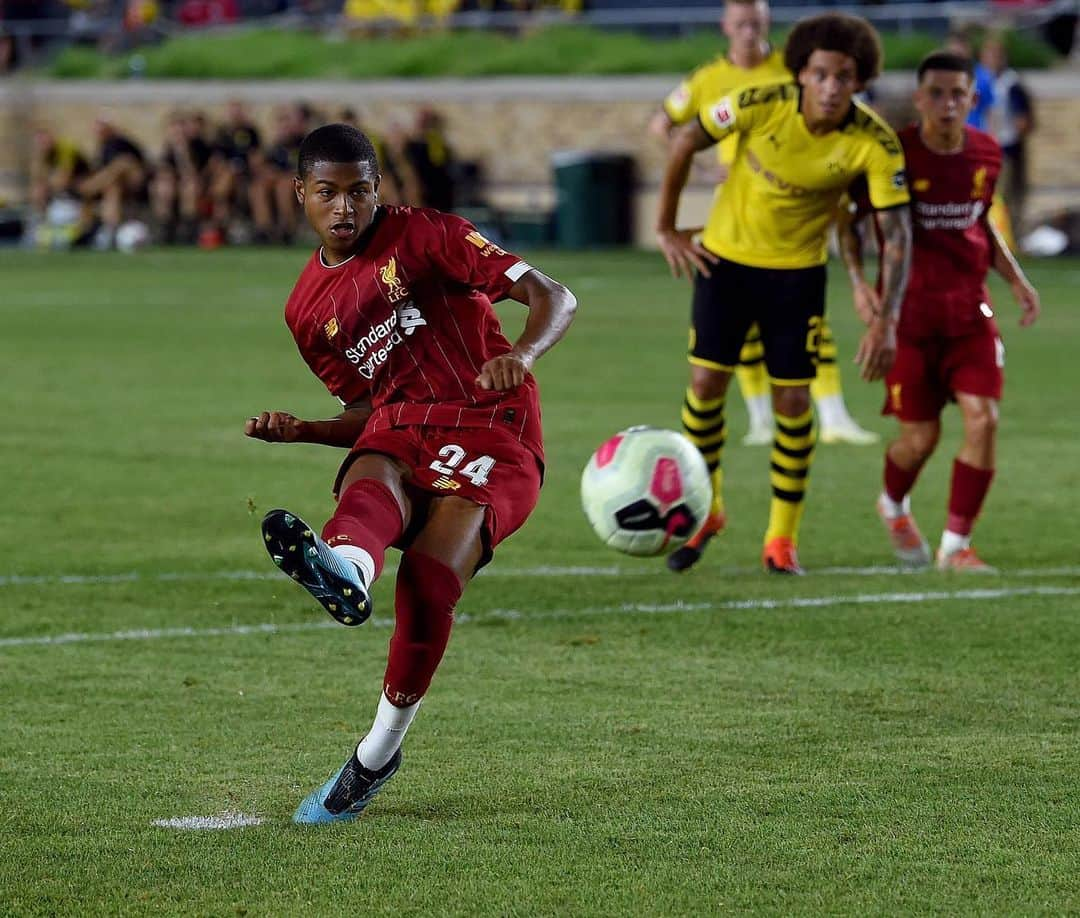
(511, 125)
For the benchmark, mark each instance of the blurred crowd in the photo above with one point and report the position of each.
(213, 183)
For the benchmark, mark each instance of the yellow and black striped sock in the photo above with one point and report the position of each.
(827, 382)
(792, 453)
(703, 425)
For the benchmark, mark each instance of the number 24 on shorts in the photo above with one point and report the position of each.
(476, 470)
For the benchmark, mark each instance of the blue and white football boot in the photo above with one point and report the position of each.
(335, 582)
(346, 794)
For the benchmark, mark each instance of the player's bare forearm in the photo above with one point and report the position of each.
(551, 309)
(1008, 267)
(685, 142)
(895, 227)
(1003, 260)
(282, 427)
(849, 241)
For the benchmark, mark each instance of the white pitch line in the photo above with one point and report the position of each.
(735, 605)
(226, 820)
(645, 569)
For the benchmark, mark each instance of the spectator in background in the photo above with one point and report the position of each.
(179, 183)
(57, 167)
(229, 172)
(959, 42)
(201, 13)
(118, 179)
(273, 196)
(400, 184)
(1011, 121)
(429, 153)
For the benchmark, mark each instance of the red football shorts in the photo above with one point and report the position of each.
(929, 372)
(487, 466)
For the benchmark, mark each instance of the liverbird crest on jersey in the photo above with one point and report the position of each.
(396, 290)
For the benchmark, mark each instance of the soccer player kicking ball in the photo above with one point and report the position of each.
(762, 255)
(441, 419)
(948, 342)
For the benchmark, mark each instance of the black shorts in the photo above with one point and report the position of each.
(788, 305)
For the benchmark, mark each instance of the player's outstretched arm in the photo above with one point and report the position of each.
(1008, 267)
(877, 350)
(551, 309)
(282, 427)
(681, 251)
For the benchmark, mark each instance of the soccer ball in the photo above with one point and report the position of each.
(646, 491)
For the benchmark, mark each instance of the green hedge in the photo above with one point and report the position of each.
(269, 54)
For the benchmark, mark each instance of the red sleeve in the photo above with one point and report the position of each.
(333, 370)
(462, 255)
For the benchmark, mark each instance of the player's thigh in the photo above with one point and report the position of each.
(915, 391)
(386, 457)
(721, 313)
(492, 469)
(920, 437)
(453, 533)
(980, 414)
(792, 311)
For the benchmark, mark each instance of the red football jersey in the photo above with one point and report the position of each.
(950, 197)
(407, 322)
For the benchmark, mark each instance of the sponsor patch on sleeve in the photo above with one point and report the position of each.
(899, 179)
(722, 114)
(485, 246)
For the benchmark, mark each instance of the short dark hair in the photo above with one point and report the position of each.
(850, 35)
(335, 143)
(946, 60)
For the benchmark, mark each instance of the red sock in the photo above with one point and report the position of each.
(966, 496)
(367, 516)
(898, 481)
(427, 591)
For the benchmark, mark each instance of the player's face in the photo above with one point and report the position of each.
(829, 80)
(339, 202)
(746, 25)
(944, 100)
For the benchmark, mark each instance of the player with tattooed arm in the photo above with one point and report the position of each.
(761, 257)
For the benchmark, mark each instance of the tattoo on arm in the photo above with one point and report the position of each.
(849, 241)
(895, 257)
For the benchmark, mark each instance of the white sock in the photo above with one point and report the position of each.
(759, 407)
(832, 411)
(386, 733)
(892, 509)
(363, 561)
(952, 542)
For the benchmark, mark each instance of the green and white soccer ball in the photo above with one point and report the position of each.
(646, 491)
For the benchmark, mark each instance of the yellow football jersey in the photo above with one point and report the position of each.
(785, 183)
(715, 79)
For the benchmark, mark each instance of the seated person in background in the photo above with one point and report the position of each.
(119, 177)
(229, 170)
(400, 184)
(272, 195)
(55, 169)
(179, 183)
(429, 153)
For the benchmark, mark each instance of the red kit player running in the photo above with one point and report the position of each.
(441, 418)
(948, 342)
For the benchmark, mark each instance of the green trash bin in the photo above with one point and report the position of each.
(594, 199)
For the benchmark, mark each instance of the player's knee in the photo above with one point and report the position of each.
(708, 384)
(980, 423)
(791, 401)
(921, 443)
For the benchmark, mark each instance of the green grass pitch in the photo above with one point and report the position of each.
(603, 738)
